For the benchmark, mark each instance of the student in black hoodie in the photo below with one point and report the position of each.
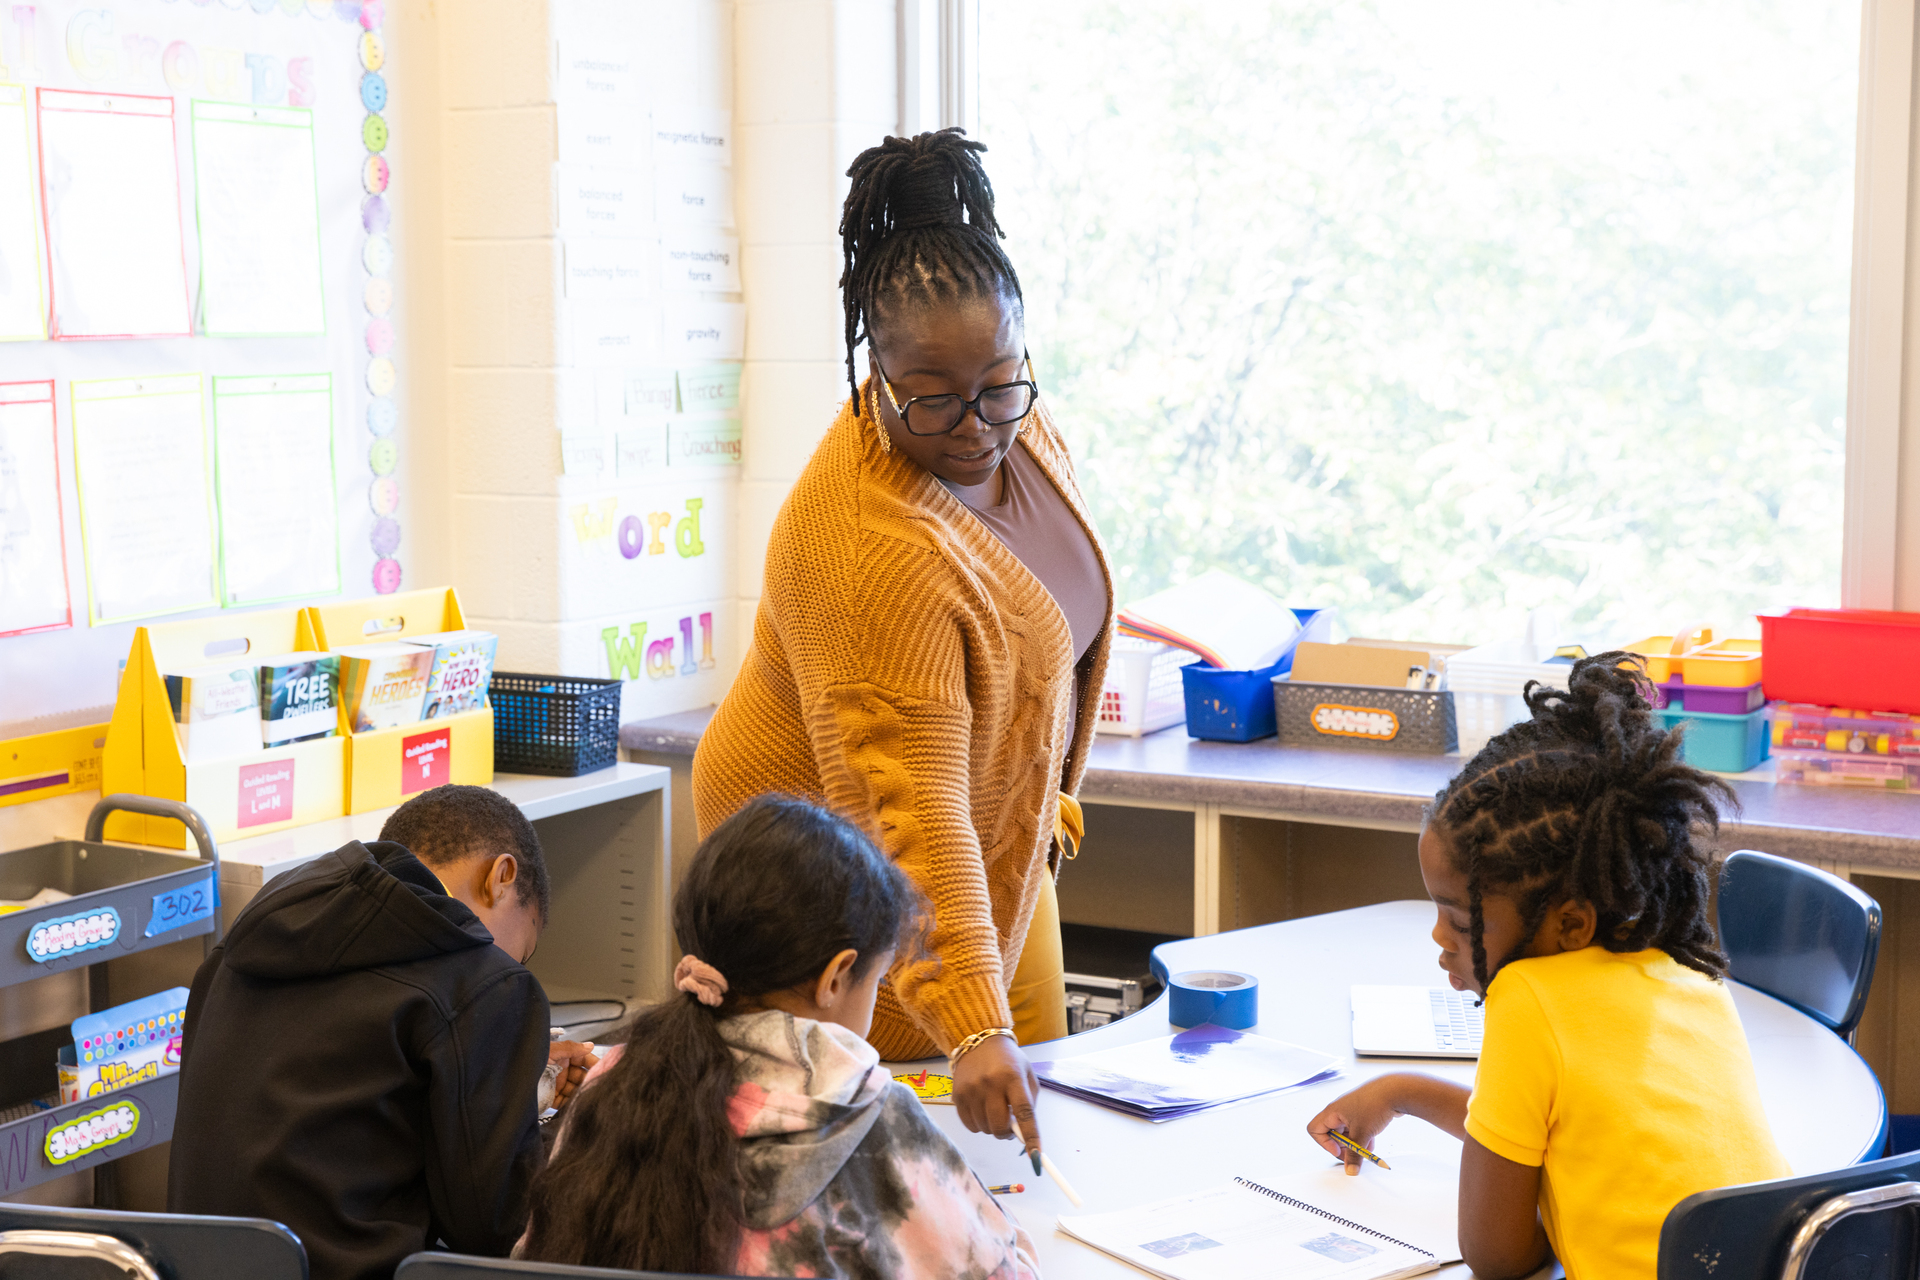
(363, 1052)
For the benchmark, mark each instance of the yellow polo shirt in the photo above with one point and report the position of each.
(1627, 1080)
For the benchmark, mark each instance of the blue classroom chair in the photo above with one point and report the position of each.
(1800, 934)
(155, 1246)
(460, 1266)
(1851, 1224)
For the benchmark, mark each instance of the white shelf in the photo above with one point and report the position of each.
(256, 860)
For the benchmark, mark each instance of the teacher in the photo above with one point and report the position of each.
(929, 647)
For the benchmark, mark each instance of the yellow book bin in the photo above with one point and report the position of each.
(252, 794)
(386, 766)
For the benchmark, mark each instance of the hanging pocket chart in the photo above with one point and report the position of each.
(110, 180)
(33, 558)
(258, 205)
(273, 467)
(23, 303)
(146, 518)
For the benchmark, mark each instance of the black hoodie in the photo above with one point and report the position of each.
(361, 1064)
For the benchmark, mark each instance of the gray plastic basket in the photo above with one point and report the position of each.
(1417, 722)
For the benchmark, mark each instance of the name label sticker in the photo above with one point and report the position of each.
(426, 760)
(1370, 723)
(68, 935)
(84, 1135)
(181, 906)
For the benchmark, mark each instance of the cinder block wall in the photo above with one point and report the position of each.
(814, 86)
(813, 83)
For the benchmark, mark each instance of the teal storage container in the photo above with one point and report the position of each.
(1723, 743)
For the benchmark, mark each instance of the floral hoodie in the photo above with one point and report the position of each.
(845, 1175)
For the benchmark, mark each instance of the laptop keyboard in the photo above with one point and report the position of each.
(1457, 1020)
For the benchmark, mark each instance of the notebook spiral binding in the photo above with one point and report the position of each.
(1334, 1218)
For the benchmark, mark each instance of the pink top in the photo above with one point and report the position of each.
(1036, 524)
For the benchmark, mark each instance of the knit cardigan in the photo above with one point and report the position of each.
(908, 671)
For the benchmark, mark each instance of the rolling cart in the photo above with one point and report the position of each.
(123, 900)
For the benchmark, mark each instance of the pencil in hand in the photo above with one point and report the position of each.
(1357, 1149)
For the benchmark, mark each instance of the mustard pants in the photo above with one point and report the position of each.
(1038, 992)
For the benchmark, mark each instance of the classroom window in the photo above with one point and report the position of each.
(1441, 313)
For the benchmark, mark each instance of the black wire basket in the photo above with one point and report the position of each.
(562, 726)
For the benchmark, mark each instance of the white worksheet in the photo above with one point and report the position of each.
(23, 305)
(258, 206)
(273, 469)
(33, 558)
(112, 184)
(146, 517)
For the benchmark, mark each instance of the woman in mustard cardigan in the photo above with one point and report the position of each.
(929, 647)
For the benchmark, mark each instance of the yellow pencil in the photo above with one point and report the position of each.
(1357, 1149)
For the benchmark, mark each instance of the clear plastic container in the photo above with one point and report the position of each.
(1824, 769)
(1142, 692)
(1841, 731)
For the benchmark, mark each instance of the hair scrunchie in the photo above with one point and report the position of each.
(700, 980)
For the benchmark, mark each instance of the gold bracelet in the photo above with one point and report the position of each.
(975, 1040)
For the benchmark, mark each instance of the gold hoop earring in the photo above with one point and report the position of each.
(879, 427)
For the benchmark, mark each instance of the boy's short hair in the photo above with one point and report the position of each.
(452, 824)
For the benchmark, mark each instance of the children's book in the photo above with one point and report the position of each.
(462, 669)
(384, 685)
(216, 710)
(299, 697)
(1190, 1071)
(1243, 1231)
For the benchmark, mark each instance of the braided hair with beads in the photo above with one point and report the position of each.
(918, 231)
(1589, 801)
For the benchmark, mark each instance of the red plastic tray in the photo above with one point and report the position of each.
(1859, 658)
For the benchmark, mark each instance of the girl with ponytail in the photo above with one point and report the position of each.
(747, 1128)
(930, 641)
(1614, 1077)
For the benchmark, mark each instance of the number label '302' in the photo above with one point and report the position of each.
(180, 906)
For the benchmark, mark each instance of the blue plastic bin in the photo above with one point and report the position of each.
(1723, 743)
(1237, 706)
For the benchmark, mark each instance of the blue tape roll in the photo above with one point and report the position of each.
(1219, 996)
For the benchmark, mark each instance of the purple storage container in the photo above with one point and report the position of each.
(1713, 699)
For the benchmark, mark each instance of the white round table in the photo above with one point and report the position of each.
(1826, 1106)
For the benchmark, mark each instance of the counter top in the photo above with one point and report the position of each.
(1379, 789)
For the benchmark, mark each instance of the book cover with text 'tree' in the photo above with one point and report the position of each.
(299, 694)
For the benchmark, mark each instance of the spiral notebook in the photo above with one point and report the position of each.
(1244, 1230)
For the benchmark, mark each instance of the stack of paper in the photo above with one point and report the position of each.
(1230, 623)
(1191, 1071)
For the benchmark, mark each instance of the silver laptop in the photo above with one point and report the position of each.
(1416, 1022)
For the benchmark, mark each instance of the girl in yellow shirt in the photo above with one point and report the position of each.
(1614, 1077)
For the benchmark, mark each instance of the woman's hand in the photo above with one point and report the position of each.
(994, 1090)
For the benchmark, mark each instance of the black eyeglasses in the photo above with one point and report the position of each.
(937, 415)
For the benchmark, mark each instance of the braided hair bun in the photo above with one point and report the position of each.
(1590, 801)
(918, 231)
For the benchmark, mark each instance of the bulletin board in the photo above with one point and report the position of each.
(200, 391)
